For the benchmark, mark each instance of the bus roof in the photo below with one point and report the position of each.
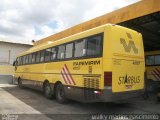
(152, 52)
(63, 40)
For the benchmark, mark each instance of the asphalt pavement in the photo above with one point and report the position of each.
(28, 104)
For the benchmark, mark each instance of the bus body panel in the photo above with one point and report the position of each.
(125, 59)
(127, 78)
(152, 68)
(83, 78)
(153, 73)
(78, 69)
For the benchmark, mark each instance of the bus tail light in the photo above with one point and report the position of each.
(107, 78)
(97, 92)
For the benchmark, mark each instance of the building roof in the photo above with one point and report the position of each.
(16, 41)
(139, 9)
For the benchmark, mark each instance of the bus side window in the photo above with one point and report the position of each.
(26, 59)
(61, 51)
(30, 59)
(42, 56)
(150, 60)
(94, 46)
(47, 54)
(20, 60)
(53, 53)
(80, 49)
(38, 57)
(157, 60)
(69, 50)
(33, 57)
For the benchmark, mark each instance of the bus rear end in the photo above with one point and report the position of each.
(123, 63)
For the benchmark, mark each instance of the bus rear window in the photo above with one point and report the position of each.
(153, 60)
(157, 60)
(149, 60)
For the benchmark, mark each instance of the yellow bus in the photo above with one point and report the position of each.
(102, 64)
(153, 69)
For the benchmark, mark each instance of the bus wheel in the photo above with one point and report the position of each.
(20, 83)
(48, 91)
(60, 94)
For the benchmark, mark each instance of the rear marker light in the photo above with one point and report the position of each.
(97, 92)
(69, 87)
(107, 78)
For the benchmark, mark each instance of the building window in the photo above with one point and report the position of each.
(69, 50)
(80, 48)
(61, 51)
(53, 54)
(94, 46)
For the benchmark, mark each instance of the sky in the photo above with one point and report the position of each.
(27, 20)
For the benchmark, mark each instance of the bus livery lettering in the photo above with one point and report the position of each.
(131, 44)
(129, 79)
(97, 62)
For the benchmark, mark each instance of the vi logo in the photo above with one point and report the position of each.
(130, 46)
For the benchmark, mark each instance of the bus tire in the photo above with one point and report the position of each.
(48, 91)
(20, 83)
(60, 94)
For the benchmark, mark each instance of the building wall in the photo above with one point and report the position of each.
(8, 53)
(6, 70)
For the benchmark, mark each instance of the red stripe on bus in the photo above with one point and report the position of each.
(64, 78)
(157, 73)
(70, 74)
(158, 70)
(155, 76)
(67, 76)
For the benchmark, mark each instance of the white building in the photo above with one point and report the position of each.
(9, 50)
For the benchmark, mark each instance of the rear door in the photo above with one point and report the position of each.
(128, 60)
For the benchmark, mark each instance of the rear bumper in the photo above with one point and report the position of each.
(106, 95)
(109, 96)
